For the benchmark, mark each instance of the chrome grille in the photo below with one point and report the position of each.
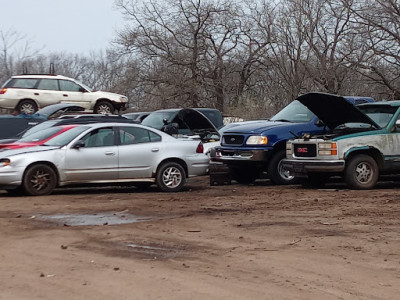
(305, 150)
(232, 139)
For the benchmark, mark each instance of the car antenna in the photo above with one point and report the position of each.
(51, 69)
(24, 69)
(295, 135)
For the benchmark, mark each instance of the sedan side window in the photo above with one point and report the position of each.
(101, 137)
(136, 135)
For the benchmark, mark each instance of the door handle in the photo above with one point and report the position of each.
(65, 95)
(36, 94)
(110, 153)
(155, 150)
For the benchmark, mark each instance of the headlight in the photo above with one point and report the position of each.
(289, 149)
(4, 162)
(257, 140)
(327, 149)
(123, 99)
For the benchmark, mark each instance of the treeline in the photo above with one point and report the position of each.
(246, 58)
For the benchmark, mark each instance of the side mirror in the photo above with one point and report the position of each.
(398, 124)
(79, 144)
(82, 90)
(319, 123)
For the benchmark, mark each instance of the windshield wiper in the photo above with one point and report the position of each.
(283, 120)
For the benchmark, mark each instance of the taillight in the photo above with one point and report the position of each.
(200, 148)
(3, 91)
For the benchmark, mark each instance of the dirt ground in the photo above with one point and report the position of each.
(208, 242)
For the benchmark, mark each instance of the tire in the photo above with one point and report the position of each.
(314, 180)
(28, 107)
(103, 107)
(170, 177)
(361, 172)
(39, 180)
(276, 172)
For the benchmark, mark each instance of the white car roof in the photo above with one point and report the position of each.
(47, 76)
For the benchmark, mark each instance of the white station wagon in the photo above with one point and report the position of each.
(28, 93)
(103, 153)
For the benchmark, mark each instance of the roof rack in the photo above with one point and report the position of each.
(51, 70)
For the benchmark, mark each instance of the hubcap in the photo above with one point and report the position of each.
(27, 109)
(172, 177)
(40, 180)
(284, 173)
(104, 109)
(363, 172)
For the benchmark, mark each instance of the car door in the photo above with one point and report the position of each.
(139, 152)
(97, 160)
(74, 93)
(47, 92)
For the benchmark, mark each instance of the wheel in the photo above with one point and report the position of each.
(103, 107)
(28, 107)
(170, 177)
(361, 172)
(314, 180)
(39, 180)
(276, 172)
(244, 175)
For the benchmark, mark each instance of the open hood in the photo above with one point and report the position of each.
(334, 110)
(196, 121)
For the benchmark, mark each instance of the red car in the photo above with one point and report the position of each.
(37, 138)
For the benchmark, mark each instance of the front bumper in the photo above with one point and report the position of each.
(231, 156)
(120, 105)
(302, 167)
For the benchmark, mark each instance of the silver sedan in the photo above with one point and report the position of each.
(103, 153)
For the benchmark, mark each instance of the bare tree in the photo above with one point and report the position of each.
(184, 45)
(379, 23)
(14, 49)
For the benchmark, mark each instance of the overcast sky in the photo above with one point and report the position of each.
(73, 26)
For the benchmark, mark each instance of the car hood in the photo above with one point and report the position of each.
(334, 110)
(196, 121)
(108, 94)
(260, 127)
(25, 150)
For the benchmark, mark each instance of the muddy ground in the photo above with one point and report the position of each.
(208, 242)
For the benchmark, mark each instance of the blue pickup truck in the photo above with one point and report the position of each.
(257, 147)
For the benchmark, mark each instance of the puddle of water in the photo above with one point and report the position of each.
(146, 247)
(95, 219)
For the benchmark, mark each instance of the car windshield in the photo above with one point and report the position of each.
(84, 86)
(380, 114)
(66, 137)
(39, 127)
(294, 112)
(156, 119)
(41, 135)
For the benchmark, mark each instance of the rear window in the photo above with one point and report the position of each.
(22, 83)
